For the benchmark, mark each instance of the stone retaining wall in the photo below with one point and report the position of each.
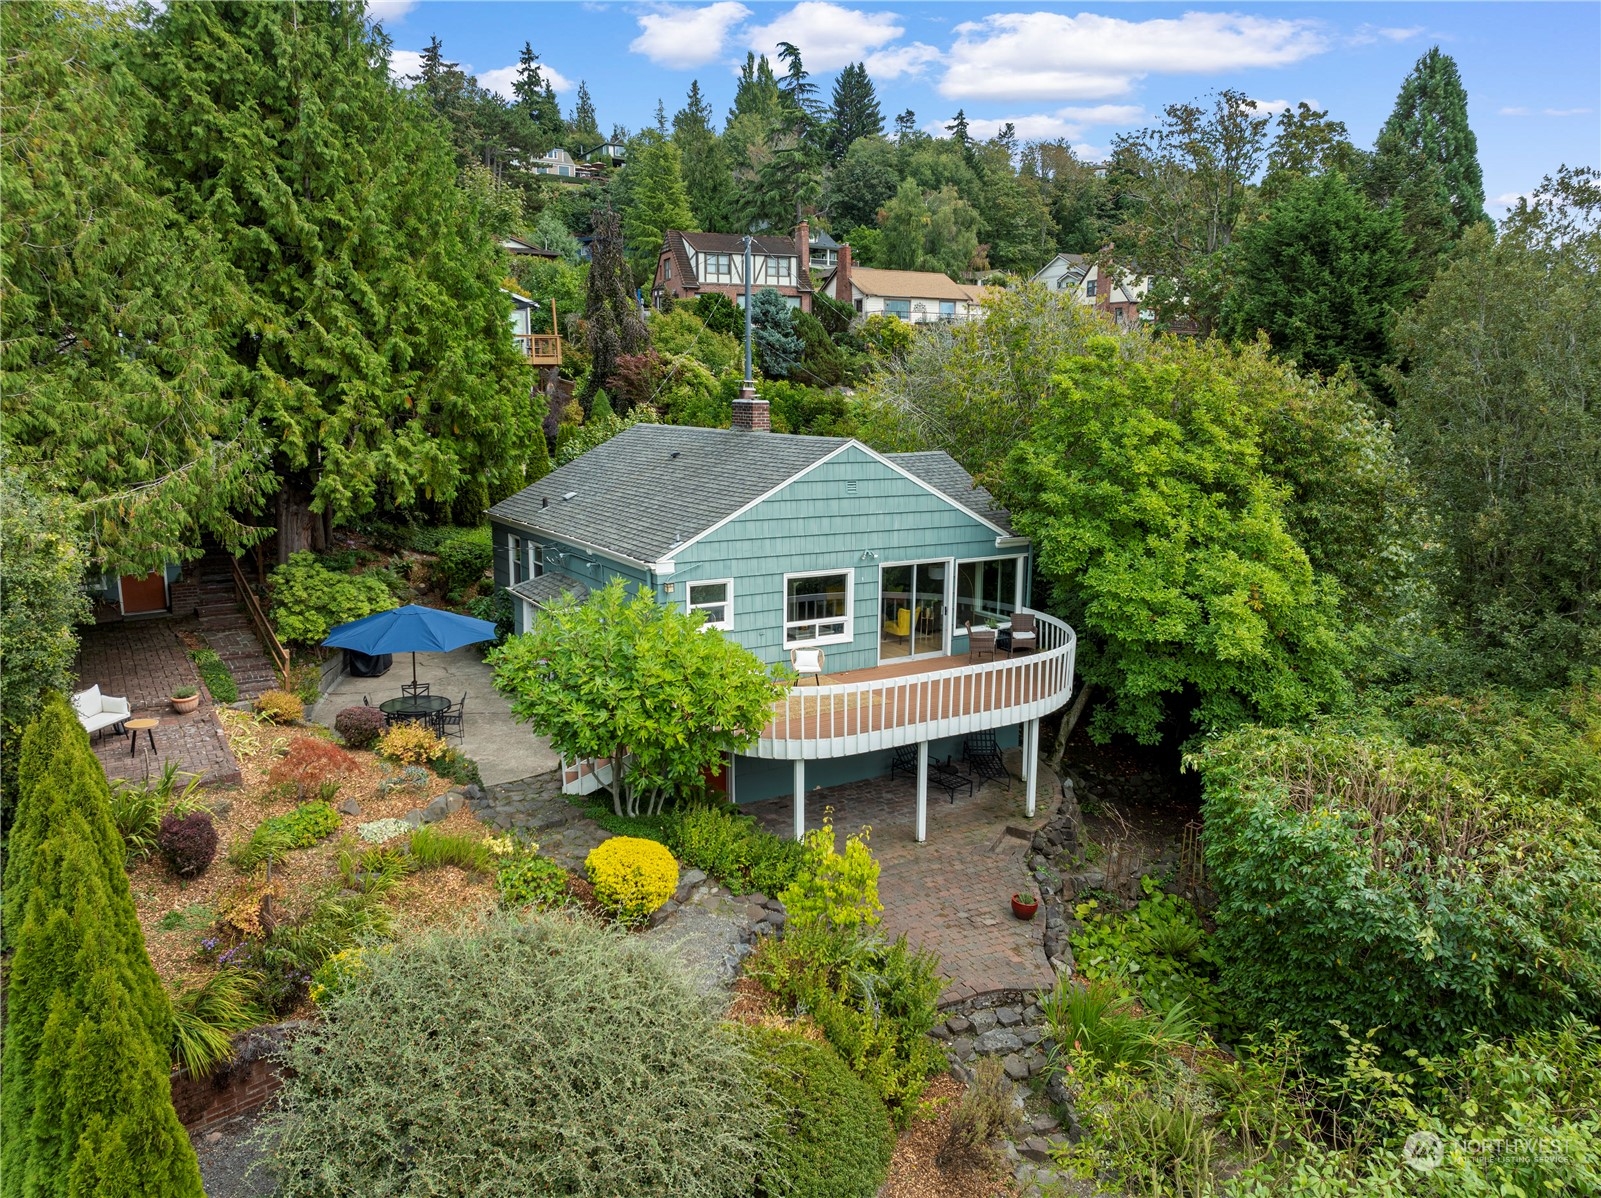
(244, 1084)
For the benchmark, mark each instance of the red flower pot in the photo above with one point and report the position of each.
(1023, 909)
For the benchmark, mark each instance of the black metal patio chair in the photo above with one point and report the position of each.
(454, 718)
(983, 754)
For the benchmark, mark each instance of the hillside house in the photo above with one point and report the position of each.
(694, 264)
(884, 562)
(1118, 295)
(915, 296)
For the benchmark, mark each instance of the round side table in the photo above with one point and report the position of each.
(146, 726)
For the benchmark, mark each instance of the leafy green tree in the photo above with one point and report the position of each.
(862, 183)
(1497, 411)
(643, 684)
(936, 232)
(1188, 179)
(1307, 143)
(1167, 548)
(774, 342)
(944, 391)
(1083, 209)
(707, 172)
(88, 1106)
(1426, 161)
(1322, 275)
(157, 448)
(379, 364)
(610, 308)
(42, 564)
(658, 200)
(854, 112)
(1014, 222)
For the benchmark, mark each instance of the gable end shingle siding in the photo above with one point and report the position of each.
(945, 474)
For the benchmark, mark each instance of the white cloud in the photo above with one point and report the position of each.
(896, 61)
(1045, 56)
(1546, 112)
(1509, 199)
(1064, 123)
(1273, 105)
(829, 35)
(687, 37)
(1366, 35)
(403, 63)
(389, 11)
(500, 80)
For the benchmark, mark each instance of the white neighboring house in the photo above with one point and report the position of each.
(557, 162)
(1080, 274)
(915, 296)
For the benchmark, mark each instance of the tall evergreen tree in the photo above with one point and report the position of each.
(905, 125)
(88, 1106)
(705, 162)
(658, 200)
(536, 99)
(157, 449)
(376, 346)
(583, 124)
(854, 113)
(1324, 275)
(800, 94)
(615, 325)
(1426, 160)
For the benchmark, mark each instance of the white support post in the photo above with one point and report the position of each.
(800, 799)
(1031, 768)
(922, 791)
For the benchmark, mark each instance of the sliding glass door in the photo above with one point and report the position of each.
(912, 610)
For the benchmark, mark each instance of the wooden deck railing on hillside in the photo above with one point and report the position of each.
(258, 622)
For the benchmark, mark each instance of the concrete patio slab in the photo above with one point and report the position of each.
(505, 750)
(952, 892)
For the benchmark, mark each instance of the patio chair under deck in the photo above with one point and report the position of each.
(983, 754)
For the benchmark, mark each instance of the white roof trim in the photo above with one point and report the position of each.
(829, 457)
(615, 555)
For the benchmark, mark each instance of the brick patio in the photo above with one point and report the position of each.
(144, 661)
(951, 893)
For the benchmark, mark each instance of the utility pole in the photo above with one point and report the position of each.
(749, 389)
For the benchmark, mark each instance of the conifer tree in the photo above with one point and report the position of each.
(855, 112)
(88, 1106)
(615, 326)
(156, 449)
(583, 124)
(705, 162)
(658, 200)
(1426, 160)
(376, 347)
(536, 99)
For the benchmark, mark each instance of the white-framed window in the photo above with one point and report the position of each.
(716, 599)
(1089, 289)
(781, 271)
(988, 590)
(947, 309)
(899, 308)
(669, 265)
(717, 268)
(817, 607)
(536, 559)
(517, 562)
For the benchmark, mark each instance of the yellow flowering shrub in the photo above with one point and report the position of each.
(280, 707)
(632, 876)
(411, 744)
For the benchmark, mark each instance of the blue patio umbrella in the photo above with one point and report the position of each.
(411, 629)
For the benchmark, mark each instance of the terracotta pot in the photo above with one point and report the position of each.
(1024, 910)
(182, 706)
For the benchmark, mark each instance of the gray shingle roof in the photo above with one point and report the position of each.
(942, 472)
(549, 586)
(653, 486)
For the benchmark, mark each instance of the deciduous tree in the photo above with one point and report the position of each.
(643, 684)
(1167, 548)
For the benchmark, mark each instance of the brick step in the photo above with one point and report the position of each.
(223, 623)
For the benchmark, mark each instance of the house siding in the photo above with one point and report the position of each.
(759, 778)
(815, 523)
(594, 569)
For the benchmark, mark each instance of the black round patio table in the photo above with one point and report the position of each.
(413, 708)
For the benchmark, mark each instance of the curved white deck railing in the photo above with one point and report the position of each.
(884, 713)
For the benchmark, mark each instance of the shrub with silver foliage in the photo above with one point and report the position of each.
(546, 1056)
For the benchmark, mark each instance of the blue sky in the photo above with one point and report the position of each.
(1532, 70)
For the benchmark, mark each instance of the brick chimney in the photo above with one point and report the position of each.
(842, 276)
(803, 247)
(751, 415)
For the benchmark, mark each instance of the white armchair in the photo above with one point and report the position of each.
(97, 712)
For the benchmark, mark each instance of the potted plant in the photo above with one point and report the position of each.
(1024, 905)
(185, 699)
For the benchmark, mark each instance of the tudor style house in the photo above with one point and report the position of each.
(1113, 293)
(692, 264)
(885, 563)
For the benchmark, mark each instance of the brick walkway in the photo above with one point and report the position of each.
(144, 661)
(952, 893)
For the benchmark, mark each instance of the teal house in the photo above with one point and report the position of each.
(792, 544)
